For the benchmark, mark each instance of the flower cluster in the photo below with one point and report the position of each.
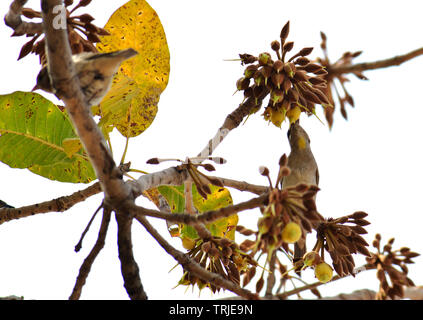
(345, 60)
(341, 238)
(293, 86)
(385, 261)
(221, 256)
(82, 33)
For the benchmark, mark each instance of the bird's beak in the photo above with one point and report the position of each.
(35, 88)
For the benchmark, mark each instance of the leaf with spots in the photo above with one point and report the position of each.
(35, 134)
(219, 198)
(131, 103)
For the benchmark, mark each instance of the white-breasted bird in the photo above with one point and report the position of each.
(303, 168)
(95, 72)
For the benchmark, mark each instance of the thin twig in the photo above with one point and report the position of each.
(243, 186)
(286, 294)
(360, 67)
(193, 267)
(89, 260)
(79, 244)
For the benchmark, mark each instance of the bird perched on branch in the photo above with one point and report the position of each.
(95, 72)
(304, 170)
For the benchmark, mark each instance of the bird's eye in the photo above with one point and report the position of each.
(98, 76)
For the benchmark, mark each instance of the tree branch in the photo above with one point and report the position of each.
(231, 122)
(129, 267)
(56, 205)
(286, 294)
(67, 86)
(205, 217)
(360, 67)
(13, 20)
(243, 186)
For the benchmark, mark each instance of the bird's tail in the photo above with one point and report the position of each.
(121, 54)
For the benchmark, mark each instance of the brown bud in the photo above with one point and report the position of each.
(264, 58)
(288, 46)
(276, 96)
(302, 61)
(287, 84)
(258, 78)
(312, 67)
(153, 161)
(278, 66)
(250, 70)
(242, 83)
(206, 246)
(285, 171)
(263, 171)
(321, 72)
(305, 51)
(289, 69)
(301, 75)
(293, 94)
(316, 80)
(283, 161)
(247, 58)
(277, 79)
(266, 71)
(275, 45)
(209, 167)
(310, 96)
(285, 32)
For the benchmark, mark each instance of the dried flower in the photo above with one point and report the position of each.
(345, 60)
(341, 237)
(221, 256)
(385, 260)
(82, 33)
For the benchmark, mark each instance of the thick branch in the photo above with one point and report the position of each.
(56, 205)
(89, 260)
(205, 217)
(360, 67)
(193, 267)
(170, 176)
(13, 20)
(129, 267)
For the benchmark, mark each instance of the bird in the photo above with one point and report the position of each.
(94, 70)
(303, 170)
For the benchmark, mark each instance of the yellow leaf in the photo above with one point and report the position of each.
(131, 103)
(71, 146)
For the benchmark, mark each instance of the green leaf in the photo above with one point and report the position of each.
(131, 103)
(220, 197)
(33, 135)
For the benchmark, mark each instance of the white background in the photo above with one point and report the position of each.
(372, 162)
